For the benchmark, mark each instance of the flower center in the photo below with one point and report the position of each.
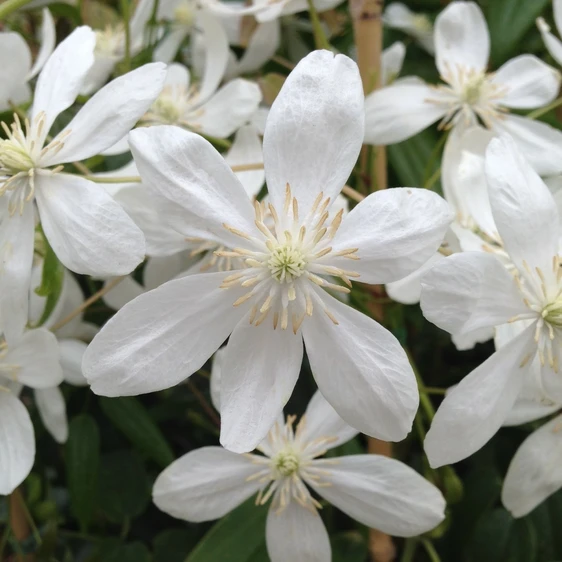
(422, 23)
(176, 105)
(552, 313)
(473, 89)
(286, 262)
(286, 462)
(184, 14)
(109, 41)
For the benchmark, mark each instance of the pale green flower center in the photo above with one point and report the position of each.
(552, 313)
(286, 262)
(286, 463)
(110, 40)
(184, 15)
(14, 157)
(422, 23)
(473, 89)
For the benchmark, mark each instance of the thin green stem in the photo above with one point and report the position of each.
(9, 6)
(543, 110)
(410, 547)
(430, 549)
(425, 402)
(320, 39)
(126, 13)
(433, 179)
(433, 156)
(435, 390)
(124, 179)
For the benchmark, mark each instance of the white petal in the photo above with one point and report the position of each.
(384, 494)
(247, 149)
(395, 231)
(17, 234)
(90, 233)
(400, 111)
(557, 11)
(216, 378)
(52, 410)
(177, 75)
(476, 408)
(408, 289)
(297, 533)
(36, 356)
(552, 43)
(186, 169)
(140, 18)
(98, 74)
(535, 471)
(111, 113)
(468, 340)
(314, 130)
(162, 337)
(158, 270)
(468, 291)
(15, 62)
(526, 410)
(392, 60)
(361, 370)
(205, 484)
(61, 79)
(528, 82)
(230, 108)
(461, 38)
(399, 16)
(48, 41)
(17, 443)
(166, 50)
(263, 44)
(71, 354)
(260, 369)
(520, 200)
(215, 44)
(321, 420)
(539, 142)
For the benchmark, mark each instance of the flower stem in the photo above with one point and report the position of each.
(209, 410)
(9, 6)
(543, 110)
(410, 547)
(320, 39)
(430, 549)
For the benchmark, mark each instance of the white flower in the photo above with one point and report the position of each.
(87, 229)
(470, 94)
(474, 290)
(32, 360)
(552, 43)
(377, 491)
(419, 26)
(312, 139)
(16, 69)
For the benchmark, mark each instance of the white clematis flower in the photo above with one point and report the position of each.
(377, 491)
(552, 43)
(312, 139)
(419, 26)
(32, 360)
(16, 68)
(470, 95)
(87, 229)
(474, 290)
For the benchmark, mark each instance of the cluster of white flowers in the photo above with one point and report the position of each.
(271, 271)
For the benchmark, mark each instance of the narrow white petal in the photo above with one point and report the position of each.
(362, 370)
(297, 533)
(185, 168)
(551, 42)
(400, 111)
(162, 337)
(392, 60)
(469, 291)
(461, 38)
(166, 50)
(384, 494)
(15, 62)
(98, 74)
(526, 410)
(535, 471)
(467, 340)
(90, 233)
(528, 81)
(71, 354)
(260, 369)
(52, 410)
(314, 130)
(47, 43)
(205, 484)
(125, 291)
(110, 114)
(476, 408)
(321, 420)
(263, 44)
(61, 79)
(520, 200)
(216, 378)
(395, 231)
(17, 443)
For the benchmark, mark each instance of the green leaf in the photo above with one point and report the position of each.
(173, 545)
(134, 552)
(349, 547)
(131, 418)
(509, 21)
(82, 466)
(52, 280)
(124, 486)
(238, 537)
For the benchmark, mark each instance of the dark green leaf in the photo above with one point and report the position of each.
(173, 545)
(134, 552)
(82, 466)
(124, 487)
(131, 418)
(238, 537)
(349, 547)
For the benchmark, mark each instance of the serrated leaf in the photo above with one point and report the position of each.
(238, 537)
(124, 486)
(82, 467)
(509, 21)
(131, 418)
